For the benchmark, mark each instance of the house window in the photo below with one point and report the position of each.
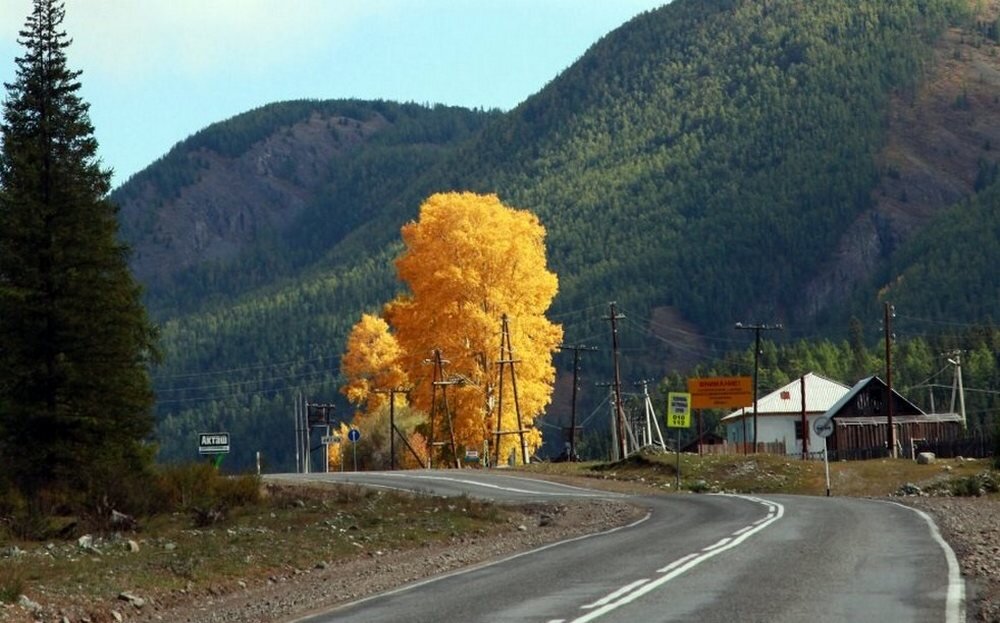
(798, 429)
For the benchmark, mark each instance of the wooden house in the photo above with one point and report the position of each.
(861, 427)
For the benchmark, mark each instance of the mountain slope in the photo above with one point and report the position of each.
(705, 163)
(256, 198)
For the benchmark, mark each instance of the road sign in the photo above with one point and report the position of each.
(354, 435)
(213, 443)
(678, 410)
(328, 439)
(823, 426)
(721, 392)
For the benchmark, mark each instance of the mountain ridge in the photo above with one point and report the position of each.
(751, 168)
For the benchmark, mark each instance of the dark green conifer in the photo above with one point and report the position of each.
(75, 341)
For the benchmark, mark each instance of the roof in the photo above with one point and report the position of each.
(860, 385)
(926, 418)
(821, 393)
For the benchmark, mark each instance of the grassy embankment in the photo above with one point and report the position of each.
(779, 474)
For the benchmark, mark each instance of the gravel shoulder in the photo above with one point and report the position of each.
(972, 527)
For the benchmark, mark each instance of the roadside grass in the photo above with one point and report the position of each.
(762, 473)
(291, 529)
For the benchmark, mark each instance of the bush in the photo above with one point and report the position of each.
(198, 488)
(12, 584)
(976, 485)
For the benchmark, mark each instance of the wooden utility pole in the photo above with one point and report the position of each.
(621, 447)
(576, 372)
(756, 328)
(805, 419)
(507, 359)
(393, 431)
(890, 313)
(438, 380)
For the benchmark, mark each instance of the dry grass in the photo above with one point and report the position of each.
(293, 529)
(770, 474)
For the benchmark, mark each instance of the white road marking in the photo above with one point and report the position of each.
(954, 610)
(615, 595)
(486, 485)
(438, 578)
(679, 568)
(677, 563)
(719, 544)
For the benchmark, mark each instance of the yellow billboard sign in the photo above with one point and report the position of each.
(721, 392)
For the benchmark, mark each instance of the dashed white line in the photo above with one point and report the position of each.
(679, 567)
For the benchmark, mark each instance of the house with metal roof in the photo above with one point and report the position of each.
(787, 415)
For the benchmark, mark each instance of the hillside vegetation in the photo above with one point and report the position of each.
(706, 162)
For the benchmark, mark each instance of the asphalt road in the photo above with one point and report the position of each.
(706, 558)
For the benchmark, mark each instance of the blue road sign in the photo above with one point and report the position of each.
(354, 435)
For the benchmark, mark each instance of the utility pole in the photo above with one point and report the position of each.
(393, 431)
(651, 424)
(324, 410)
(756, 328)
(889, 313)
(439, 381)
(576, 372)
(621, 447)
(956, 384)
(507, 359)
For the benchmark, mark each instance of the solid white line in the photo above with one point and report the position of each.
(646, 588)
(719, 544)
(487, 485)
(742, 530)
(677, 563)
(559, 484)
(615, 595)
(954, 611)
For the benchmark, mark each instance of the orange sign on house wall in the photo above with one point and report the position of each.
(721, 392)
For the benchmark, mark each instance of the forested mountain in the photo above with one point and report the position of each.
(707, 162)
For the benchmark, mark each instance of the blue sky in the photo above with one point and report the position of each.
(156, 71)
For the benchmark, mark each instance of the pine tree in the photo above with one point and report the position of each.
(75, 341)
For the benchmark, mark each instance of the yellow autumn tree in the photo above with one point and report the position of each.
(468, 261)
(371, 362)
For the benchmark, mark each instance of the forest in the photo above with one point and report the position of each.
(706, 158)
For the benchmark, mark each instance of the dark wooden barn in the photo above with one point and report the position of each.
(861, 428)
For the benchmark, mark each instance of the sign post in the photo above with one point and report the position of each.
(823, 426)
(678, 416)
(214, 443)
(354, 435)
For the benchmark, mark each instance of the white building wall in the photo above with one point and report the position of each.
(773, 428)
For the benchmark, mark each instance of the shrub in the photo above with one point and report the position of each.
(12, 584)
(976, 485)
(200, 489)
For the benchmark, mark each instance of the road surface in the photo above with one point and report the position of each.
(706, 558)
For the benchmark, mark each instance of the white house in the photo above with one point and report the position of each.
(779, 414)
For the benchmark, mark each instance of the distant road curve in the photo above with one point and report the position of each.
(706, 558)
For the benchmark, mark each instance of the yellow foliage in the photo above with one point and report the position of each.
(468, 261)
(371, 362)
(336, 450)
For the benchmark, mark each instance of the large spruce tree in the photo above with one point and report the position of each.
(75, 341)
